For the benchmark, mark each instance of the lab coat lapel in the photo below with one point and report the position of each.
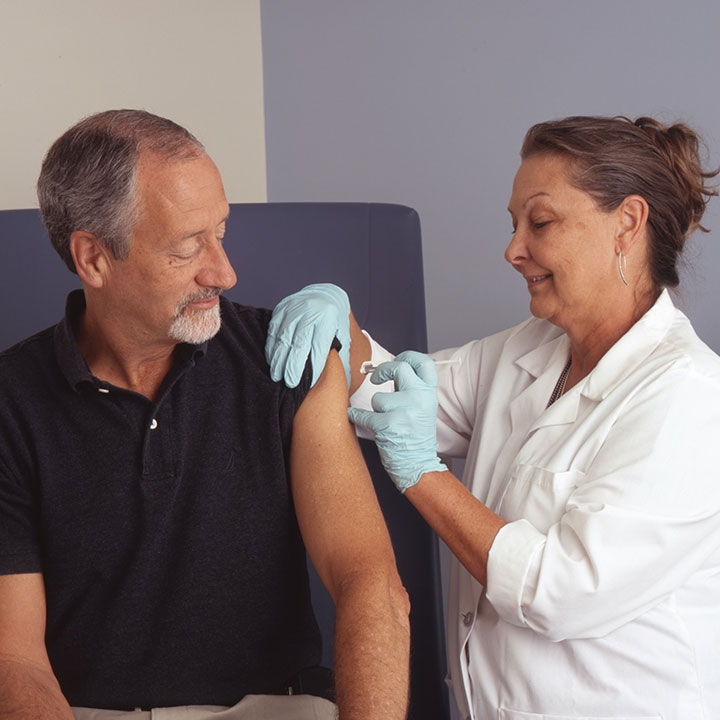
(545, 363)
(563, 411)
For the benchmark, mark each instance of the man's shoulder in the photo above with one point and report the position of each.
(25, 356)
(247, 319)
(29, 342)
(242, 333)
(241, 341)
(30, 381)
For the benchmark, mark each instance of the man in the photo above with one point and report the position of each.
(156, 487)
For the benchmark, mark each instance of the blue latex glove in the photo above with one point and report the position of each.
(404, 422)
(306, 323)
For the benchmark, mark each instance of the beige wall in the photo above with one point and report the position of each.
(198, 62)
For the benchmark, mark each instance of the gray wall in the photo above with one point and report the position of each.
(425, 102)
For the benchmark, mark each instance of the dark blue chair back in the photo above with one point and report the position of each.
(374, 252)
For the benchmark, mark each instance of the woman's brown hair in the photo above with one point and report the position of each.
(613, 157)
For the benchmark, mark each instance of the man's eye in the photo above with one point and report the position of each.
(540, 225)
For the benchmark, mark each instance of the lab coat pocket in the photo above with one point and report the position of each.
(538, 495)
(505, 714)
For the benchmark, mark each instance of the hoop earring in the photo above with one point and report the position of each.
(622, 261)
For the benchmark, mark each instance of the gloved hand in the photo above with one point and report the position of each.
(404, 421)
(306, 323)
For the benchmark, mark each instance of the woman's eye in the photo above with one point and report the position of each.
(540, 225)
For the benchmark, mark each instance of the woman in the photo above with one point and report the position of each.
(586, 529)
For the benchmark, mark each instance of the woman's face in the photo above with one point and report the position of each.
(563, 245)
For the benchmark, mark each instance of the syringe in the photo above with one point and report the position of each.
(367, 367)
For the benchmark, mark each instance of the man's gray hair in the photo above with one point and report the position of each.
(87, 180)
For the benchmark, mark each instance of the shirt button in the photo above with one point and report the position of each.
(468, 619)
(103, 390)
(153, 424)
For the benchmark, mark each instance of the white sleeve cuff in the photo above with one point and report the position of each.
(514, 552)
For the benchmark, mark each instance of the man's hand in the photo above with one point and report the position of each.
(306, 323)
(404, 422)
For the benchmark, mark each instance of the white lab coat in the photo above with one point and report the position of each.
(603, 592)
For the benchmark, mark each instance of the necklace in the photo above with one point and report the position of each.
(560, 385)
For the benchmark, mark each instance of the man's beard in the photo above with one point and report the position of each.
(195, 326)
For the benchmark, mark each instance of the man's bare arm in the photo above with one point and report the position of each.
(347, 540)
(28, 687)
(360, 351)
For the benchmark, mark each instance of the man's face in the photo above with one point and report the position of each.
(167, 289)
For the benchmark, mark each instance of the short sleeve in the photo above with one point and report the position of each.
(19, 546)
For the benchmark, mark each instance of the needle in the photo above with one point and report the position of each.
(367, 367)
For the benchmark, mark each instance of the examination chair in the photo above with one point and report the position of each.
(374, 252)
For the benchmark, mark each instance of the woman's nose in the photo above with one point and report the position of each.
(516, 251)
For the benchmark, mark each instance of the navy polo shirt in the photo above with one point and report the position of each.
(165, 530)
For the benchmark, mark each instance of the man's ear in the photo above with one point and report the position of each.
(90, 257)
(632, 216)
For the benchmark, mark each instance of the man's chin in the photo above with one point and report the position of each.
(195, 328)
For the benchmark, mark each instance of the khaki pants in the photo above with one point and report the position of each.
(251, 707)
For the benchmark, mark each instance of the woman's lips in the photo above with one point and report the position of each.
(535, 279)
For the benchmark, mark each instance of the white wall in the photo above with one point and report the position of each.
(198, 62)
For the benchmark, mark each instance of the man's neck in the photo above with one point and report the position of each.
(114, 357)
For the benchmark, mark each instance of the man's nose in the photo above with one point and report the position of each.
(218, 272)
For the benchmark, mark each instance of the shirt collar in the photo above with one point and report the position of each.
(71, 362)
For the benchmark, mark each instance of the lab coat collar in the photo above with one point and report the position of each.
(631, 350)
(543, 357)
(545, 363)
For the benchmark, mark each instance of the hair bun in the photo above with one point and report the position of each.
(680, 147)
